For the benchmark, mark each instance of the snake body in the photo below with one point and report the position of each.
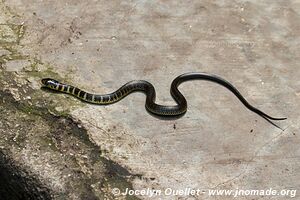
(149, 90)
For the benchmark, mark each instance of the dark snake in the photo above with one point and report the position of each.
(149, 90)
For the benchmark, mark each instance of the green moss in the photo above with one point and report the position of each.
(6, 10)
(29, 110)
(33, 71)
(47, 142)
(10, 37)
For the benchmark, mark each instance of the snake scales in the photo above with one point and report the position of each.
(149, 90)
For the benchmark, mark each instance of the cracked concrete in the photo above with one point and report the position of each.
(100, 45)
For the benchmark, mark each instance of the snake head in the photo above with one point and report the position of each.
(50, 83)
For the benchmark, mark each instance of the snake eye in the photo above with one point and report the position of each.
(45, 81)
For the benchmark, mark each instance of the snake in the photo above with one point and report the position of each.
(146, 87)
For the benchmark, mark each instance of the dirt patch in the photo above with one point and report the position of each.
(46, 155)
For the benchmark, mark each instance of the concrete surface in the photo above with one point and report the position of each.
(218, 144)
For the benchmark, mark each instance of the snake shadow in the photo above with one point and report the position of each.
(49, 90)
(166, 118)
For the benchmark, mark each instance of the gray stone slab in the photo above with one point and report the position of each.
(218, 143)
